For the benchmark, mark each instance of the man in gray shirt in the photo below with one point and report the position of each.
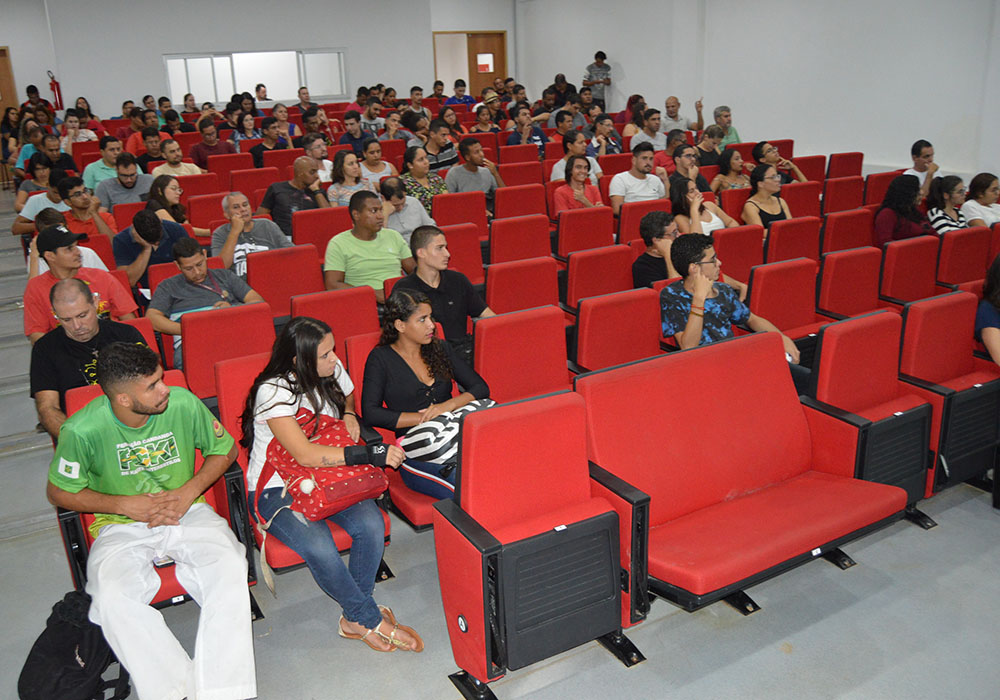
(370, 119)
(597, 76)
(477, 174)
(196, 288)
(574, 107)
(651, 131)
(243, 234)
(129, 186)
(403, 213)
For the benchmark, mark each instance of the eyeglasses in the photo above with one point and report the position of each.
(126, 176)
(76, 195)
(776, 178)
(769, 151)
(713, 261)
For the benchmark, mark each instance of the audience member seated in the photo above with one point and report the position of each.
(84, 216)
(66, 357)
(57, 246)
(731, 175)
(73, 132)
(148, 241)
(242, 234)
(304, 103)
(708, 148)
(51, 217)
(636, 184)
(195, 288)
(354, 136)
(686, 162)
(698, 309)
(899, 216)
(287, 131)
(38, 167)
(440, 150)
(476, 174)
(988, 314)
(577, 193)
(175, 125)
(574, 143)
(636, 120)
(24, 223)
(271, 141)
(767, 154)
(546, 106)
(394, 129)
(315, 147)
(408, 381)
(165, 202)
(924, 168)
(692, 213)
(525, 130)
(765, 205)
(658, 231)
(573, 107)
(135, 124)
(31, 143)
(368, 253)
(282, 395)
(605, 141)
(346, 179)
(302, 192)
(650, 131)
(724, 118)
(452, 297)
(672, 118)
(50, 147)
(153, 149)
(418, 125)
(210, 144)
(981, 208)
(403, 214)
(665, 159)
(456, 130)
(484, 122)
(104, 169)
(136, 143)
(174, 164)
(128, 186)
(416, 102)
(418, 179)
(246, 130)
(944, 204)
(563, 124)
(460, 98)
(373, 168)
(371, 122)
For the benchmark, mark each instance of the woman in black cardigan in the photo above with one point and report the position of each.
(408, 380)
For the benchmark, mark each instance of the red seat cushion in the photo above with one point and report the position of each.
(418, 508)
(729, 541)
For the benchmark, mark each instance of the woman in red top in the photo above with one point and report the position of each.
(577, 193)
(898, 217)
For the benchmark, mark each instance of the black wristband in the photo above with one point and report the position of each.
(366, 454)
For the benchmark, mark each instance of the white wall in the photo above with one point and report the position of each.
(25, 30)
(451, 59)
(475, 16)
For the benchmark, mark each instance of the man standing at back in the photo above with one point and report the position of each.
(301, 193)
(597, 76)
(129, 459)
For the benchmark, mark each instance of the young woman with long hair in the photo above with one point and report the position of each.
(165, 201)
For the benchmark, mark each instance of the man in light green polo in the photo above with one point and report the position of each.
(105, 168)
(367, 254)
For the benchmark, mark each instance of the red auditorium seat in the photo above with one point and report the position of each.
(909, 270)
(785, 294)
(282, 158)
(220, 334)
(520, 237)
(249, 181)
(615, 163)
(848, 282)
(519, 200)
(466, 253)
(845, 164)
(813, 167)
(124, 213)
(461, 208)
(630, 216)
(580, 229)
(521, 173)
(877, 184)
(617, 328)
(522, 284)
(522, 153)
(964, 255)
(843, 194)
(318, 226)
(739, 249)
(847, 229)
(279, 274)
(733, 201)
(194, 185)
(802, 198)
(348, 312)
(793, 238)
(597, 271)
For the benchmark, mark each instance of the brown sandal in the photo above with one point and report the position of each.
(391, 619)
(364, 637)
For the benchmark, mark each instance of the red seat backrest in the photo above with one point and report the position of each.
(488, 140)
(615, 163)
(203, 209)
(356, 348)
(220, 334)
(786, 147)
(617, 328)
(909, 268)
(746, 379)
(745, 149)
(194, 185)
(938, 337)
(802, 198)
(598, 271)
(849, 281)
(125, 212)
(318, 226)
(522, 353)
(187, 139)
(348, 312)
(784, 292)
(813, 167)
(848, 229)
(101, 245)
(521, 153)
(248, 181)
(960, 251)
(580, 229)
(279, 274)
(234, 379)
(843, 193)
(739, 249)
(145, 326)
(461, 208)
(519, 200)
(845, 164)
(793, 238)
(466, 253)
(857, 365)
(521, 173)
(392, 148)
(519, 237)
(733, 201)
(631, 215)
(281, 159)
(877, 184)
(228, 162)
(522, 284)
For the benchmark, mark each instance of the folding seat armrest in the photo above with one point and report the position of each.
(893, 300)
(569, 309)
(946, 285)
(926, 385)
(831, 314)
(835, 435)
(632, 507)
(75, 541)
(561, 258)
(235, 484)
(477, 535)
(834, 412)
(369, 435)
(576, 368)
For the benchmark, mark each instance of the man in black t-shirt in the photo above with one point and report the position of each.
(453, 298)
(66, 357)
(269, 130)
(302, 192)
(658, 231)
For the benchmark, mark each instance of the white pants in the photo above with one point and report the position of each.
(211, 565)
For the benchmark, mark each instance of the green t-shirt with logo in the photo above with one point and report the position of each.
(367, 262)
(99, 452)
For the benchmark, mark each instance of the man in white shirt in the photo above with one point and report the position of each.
(637, 184)
(672, 119)
(651, 131)
(924, 168)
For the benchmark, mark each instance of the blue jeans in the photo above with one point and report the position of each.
(350, 585)
(425, 478)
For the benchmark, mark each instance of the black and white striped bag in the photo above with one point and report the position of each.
(436, 440)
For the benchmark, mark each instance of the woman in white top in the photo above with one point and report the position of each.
(373, 168)
(575, 144)
(304, 378)
(692, 213)
(944, 201)
(981, 209)
(73, 133)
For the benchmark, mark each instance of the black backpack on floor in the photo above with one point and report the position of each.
(69, 657)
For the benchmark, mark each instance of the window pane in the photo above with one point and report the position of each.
(278, 70)
(200, 82)
(177, 80)
(223, 78)
(323, 74)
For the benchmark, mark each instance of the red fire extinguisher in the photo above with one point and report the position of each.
(56, 91)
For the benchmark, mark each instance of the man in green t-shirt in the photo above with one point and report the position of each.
(367, 254)
(128, 457)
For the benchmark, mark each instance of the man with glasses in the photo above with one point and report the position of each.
(210, 144)
(686, 160)
(128, 186)
(315, 147)
(84, 216)
(605, 140)
(767, 154)
(699, 309)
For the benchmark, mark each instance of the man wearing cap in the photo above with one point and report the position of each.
(66, 357)
(57, 246)
(492, 101)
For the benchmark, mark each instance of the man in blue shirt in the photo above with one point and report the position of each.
(460, 98)
(148, 241)
(355, 136)
(525, 130)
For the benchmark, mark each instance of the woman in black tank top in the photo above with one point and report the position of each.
(764, 206)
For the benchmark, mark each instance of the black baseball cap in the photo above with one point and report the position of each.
(56, 236)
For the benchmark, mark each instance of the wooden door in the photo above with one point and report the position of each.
(486, 50)
(8, 91)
